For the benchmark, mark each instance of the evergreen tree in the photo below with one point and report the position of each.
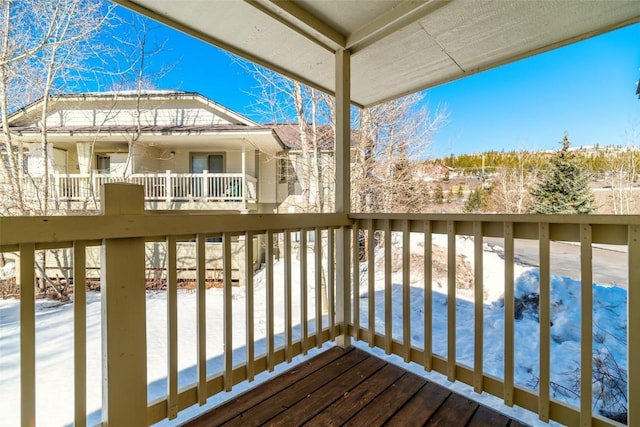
(565, 190)
(477, 201)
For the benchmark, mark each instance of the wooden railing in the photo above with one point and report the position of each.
(124, 228)
(167, 186)
(584, 231)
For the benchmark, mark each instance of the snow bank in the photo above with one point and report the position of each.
(8, 271)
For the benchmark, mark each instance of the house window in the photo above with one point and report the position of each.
(283, 170)
(25, 158)
(103, 163)
(286, 170)
(212, 163)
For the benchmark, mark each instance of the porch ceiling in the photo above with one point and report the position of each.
(398, 46)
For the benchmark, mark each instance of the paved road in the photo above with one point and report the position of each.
(609, 262)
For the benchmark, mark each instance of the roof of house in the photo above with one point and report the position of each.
(165, 130)
(289, 134)
(18, 117)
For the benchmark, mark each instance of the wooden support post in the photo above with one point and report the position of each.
(124, 348)
(343, 195)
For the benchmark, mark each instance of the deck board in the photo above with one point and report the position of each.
(349, 387)
(419, 409)
(485, 417)
(353, 400)
(319, 400)
(377, 412)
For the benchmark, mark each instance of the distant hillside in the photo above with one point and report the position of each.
(597, 160)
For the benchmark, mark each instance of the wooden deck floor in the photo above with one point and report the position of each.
(352, 388)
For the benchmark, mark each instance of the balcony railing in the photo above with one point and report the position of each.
(167, 187)
(336, 271)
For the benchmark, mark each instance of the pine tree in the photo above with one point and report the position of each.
(477, 201)
(566, 189)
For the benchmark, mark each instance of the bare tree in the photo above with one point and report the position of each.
(136, 48)
(622, 177)
(390, 140)
(45, 47)
(287, 102)
(510, 187)
(48, 48)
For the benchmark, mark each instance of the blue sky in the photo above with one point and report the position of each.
(586, 89)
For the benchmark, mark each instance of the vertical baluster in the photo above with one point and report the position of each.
(356, 280)
(204, 185)
(201, 267)
(478, 293)
(318, 272)
(56, 185)
(428, 294)
(406, 290)
(270, 303)
(371, 270)
(344, 297)
(288, 303)
(509, 313)
(388, 319)
(451, 301)
(168, 188)
(80, 332)
(249, 300)
(304, 324)
(27, 335)
(331, 281)
(633, 320)
(545, 322)
(227, 311)
(586, 322)
(172, 328)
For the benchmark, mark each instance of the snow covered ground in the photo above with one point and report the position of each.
(54, 338)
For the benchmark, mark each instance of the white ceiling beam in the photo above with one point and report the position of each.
(301, 21)
(391, 21)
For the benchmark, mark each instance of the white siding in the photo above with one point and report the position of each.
(36, 159)
(191, 113)
(267, 179)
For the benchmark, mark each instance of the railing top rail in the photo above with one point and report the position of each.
(502, 218)
(149, 174)
(607, 229)
(17, 230)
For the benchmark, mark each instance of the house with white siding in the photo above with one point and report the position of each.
(189, 152)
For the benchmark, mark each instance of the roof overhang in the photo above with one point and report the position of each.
(398, 46)
(197, 138)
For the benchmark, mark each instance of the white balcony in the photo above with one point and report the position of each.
(163, 187)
